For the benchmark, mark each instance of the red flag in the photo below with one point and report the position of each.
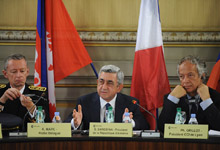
(69, 53)
(214, 78)
(65, 52)
(149, 79)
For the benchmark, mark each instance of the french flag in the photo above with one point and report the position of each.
(149, 79)
(59, 49)
(214, 78)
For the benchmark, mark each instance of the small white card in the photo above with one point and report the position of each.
(186, 131)
(110, 129)
(49, 130)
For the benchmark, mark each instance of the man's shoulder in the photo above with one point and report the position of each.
(36, 88)
(89, 96)
(214, 93)
(31, 89)
(121, 95)
(2, 86)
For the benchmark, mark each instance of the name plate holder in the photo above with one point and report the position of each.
(110, 129)
(186, 131)
(49, 130)
(0, 131)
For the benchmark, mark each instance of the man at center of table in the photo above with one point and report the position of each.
(91, 107)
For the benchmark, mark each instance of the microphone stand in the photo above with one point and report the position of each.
(149, 133)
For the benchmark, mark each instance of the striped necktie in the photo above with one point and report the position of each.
(106, 108)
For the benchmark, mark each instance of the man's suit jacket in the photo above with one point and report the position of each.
(91, 110)
(210, 116)
(15, 108)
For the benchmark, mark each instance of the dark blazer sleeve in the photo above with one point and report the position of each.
(90, 110)
(210, 116)
(42, 102)
(167, 114)
(70, 116)
(212, 113)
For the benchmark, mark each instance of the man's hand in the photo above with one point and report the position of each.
(178, 91)
(203, 92)
(27, 102)
(131, 114)
(11, 93)
(77, 116)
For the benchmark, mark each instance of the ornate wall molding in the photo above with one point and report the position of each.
(90, 36)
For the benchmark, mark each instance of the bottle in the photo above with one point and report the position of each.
(110, 115)
(56, 118)
(127, 118)
(178, 119)
(39, 115)
(193, 119)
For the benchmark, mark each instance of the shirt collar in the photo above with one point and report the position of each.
(112, 102)
(196, 97)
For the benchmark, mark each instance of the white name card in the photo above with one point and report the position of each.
(186, 131)
(49, 130)
(110, 129)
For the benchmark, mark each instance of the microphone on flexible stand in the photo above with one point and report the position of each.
(34, 95)
(148, 133)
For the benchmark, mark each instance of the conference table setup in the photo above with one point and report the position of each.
(105, 136)
(84, 142)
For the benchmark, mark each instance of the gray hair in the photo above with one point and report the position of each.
(13, 57)
(200, 65)
(113, 69)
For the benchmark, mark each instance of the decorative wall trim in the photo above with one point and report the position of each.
(123, 36)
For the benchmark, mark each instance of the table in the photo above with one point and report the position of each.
(83, 142)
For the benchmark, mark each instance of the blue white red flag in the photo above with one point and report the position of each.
(149, 79)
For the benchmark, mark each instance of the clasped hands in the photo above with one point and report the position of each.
(202, 90)
(77, 115)
(13, 93)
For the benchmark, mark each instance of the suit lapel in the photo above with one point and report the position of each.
(96, 106)
(26, 89)
(119, 108)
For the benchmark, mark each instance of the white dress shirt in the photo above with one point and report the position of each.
(102, 111)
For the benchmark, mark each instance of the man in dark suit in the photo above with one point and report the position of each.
(192, 96)
(13, 98)
(91, 107)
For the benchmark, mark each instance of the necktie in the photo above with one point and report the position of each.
(193, 105)
(106, 108)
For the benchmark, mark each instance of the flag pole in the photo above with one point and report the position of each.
(93, 68)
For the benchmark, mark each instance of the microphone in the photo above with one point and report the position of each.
(28, 111)
(34, 95)
(148, 133)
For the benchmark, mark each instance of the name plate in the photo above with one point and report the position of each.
(186, 131)
(0, 131)
(110, 129)
(49, 130)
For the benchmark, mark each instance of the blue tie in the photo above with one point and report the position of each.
(106, 108)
